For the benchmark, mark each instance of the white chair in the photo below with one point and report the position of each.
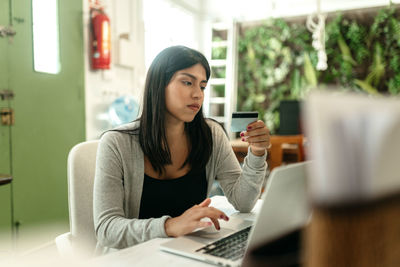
(81, 239)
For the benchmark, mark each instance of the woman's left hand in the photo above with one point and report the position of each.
(257, 135)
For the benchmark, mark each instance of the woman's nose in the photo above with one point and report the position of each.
(198, 92)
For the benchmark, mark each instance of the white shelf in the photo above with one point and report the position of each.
(220, 44)
(220, 108)
(220, 26)
(218, 62)
(217, 81)
(217, 100)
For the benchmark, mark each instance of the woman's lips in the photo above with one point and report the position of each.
(194, 107)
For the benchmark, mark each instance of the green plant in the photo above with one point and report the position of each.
(271, 60)
(218, 72)
(219, 52)
(277, 61)
(219, 90)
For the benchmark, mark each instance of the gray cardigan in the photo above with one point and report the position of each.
(119, 182)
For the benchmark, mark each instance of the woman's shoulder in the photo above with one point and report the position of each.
(125, 131)
(220, 138)
(216, 127)
(131, 126)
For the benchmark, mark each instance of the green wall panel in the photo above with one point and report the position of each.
(5, 190)
(49, 117)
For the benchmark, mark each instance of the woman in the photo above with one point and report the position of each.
(153, 175)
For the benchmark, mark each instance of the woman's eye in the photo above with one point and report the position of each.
(202, 87)
(187, 83)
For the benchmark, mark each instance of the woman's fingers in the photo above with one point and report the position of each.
(202, 224)
(257, 139)
(261, 145)
(191, 219)
(255, 125)
(257, 135)
(258, 129)
(209, 212)
(254, 129)
(216, 224)
(205, 202)
(203, 210)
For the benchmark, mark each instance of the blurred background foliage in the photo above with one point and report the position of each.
(277, 60)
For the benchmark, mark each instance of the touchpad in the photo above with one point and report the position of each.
(209, 234)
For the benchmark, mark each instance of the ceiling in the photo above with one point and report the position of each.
(251, 10)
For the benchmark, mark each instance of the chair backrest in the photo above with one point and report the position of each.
(276, 150)
(81, 170)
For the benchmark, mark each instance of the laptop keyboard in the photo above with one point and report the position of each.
(231, 247)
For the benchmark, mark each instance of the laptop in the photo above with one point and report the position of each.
(284, 208)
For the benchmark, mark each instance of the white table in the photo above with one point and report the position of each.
(149, 254)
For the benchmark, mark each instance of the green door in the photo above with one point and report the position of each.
(5, 190)
(49, 120)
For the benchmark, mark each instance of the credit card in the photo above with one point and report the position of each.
(240, 120)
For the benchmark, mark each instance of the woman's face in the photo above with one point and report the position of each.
(184, 94)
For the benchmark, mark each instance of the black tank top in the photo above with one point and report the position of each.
(174, 196)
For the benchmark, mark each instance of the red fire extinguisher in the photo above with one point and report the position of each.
(100, 39)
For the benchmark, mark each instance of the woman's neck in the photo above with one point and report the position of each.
(174, 131)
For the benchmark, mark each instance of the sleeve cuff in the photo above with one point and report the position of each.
(256, 161)
(162, 226)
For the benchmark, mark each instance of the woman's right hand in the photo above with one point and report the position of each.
(191, 219)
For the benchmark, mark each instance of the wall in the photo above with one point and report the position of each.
(127, 73)
(252, 10)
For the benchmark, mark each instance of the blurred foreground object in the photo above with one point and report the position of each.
(355, 182)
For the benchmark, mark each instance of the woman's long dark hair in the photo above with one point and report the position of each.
(152, 136)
